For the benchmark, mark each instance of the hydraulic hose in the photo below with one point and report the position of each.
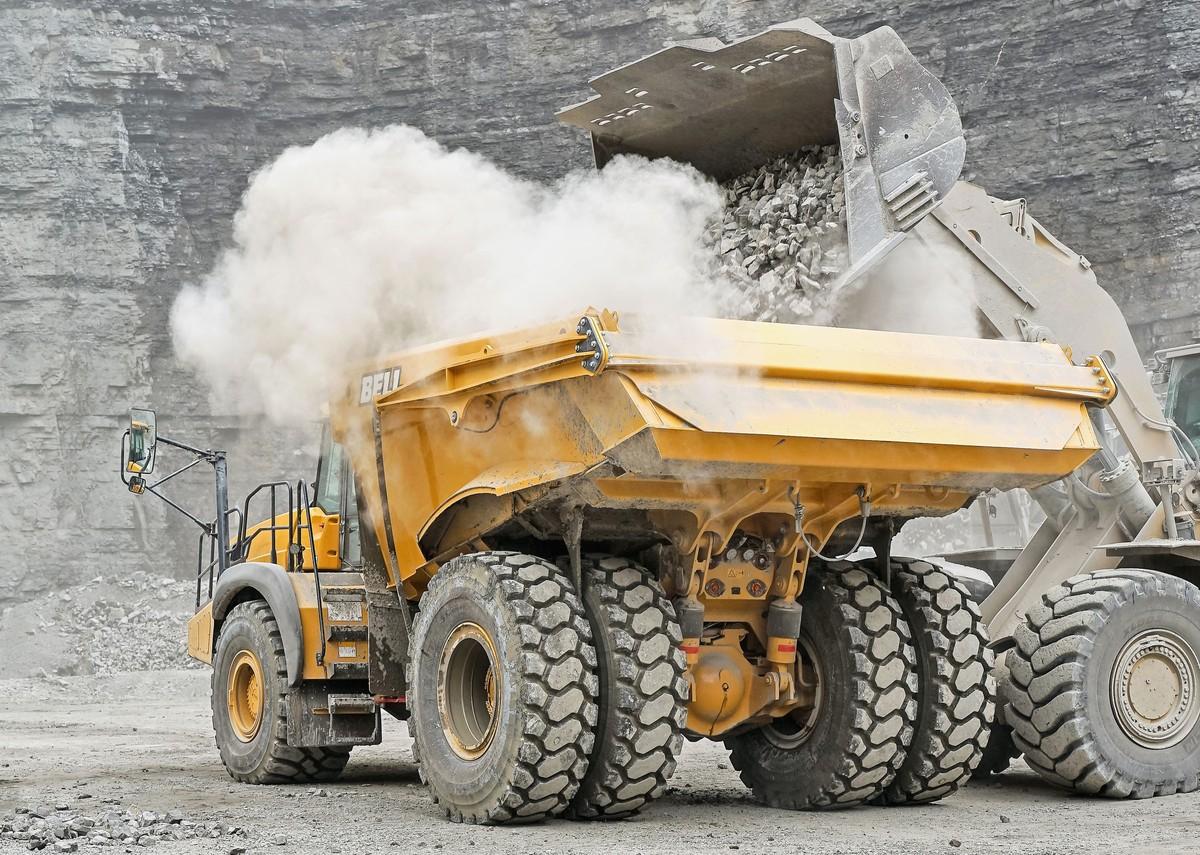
(864, 510)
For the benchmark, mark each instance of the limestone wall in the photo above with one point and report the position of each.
(128, 130)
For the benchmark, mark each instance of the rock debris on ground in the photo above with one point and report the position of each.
(781, 242)
(59, 828)
(142, 628)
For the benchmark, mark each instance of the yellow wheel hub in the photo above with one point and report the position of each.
(244, 697)
(467, 690)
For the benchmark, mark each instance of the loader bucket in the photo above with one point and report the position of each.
(728, 108)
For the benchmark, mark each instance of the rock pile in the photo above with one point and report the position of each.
(109, 624)
(142, 630)
(781, 242)
(57, 828)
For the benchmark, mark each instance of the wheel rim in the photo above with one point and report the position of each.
(793, 730)
(245, 696)
(1154, 682)
(467, 691)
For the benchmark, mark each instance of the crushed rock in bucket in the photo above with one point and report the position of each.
(781, 242)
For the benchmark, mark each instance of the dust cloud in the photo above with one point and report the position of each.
(921, 286)
(367, 242)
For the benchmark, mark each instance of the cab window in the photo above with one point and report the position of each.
(1186, 410)
(329, 478)
(334, 494)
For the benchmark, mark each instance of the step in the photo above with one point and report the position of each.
(346, 632)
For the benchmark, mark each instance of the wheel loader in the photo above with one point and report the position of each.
(559, 551)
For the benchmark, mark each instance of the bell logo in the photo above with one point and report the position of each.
(378, 383)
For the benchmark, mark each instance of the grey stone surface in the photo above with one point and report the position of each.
(128, 130)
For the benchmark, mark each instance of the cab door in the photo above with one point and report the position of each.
(334, 494)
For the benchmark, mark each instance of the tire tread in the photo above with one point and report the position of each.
(633, 758)
(884, 709)
(1060, 745)
(558, 724)
(285, 764)
(946, 626)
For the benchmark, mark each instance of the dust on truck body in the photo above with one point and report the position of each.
(560, 550)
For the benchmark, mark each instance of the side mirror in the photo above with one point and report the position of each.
(143, 437)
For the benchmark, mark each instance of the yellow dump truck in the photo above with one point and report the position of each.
(559, 551)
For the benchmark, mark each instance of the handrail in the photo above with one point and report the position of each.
(212, 568)
(299, 516)
(306, 507)
(241, 520)
(201, 569)
(244, 543)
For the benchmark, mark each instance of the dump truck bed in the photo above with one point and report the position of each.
(714, 419)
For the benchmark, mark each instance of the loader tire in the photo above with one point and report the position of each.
(249, 705)
(956, 691)
(1104, 697)
(849, 747)
(503, 689)
(643, 694)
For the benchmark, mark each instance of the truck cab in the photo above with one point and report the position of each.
(333, 511)
(281, 611)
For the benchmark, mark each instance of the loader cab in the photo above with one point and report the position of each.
(334, 494)
(1182, 404)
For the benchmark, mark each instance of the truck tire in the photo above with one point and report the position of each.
(503, 689)
(249, 705)
(1104, 697)
(956, 691)
(849, 747)
(643, 694)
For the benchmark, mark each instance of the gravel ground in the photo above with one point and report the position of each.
(142, 742)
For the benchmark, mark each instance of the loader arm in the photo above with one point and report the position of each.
(1028, 286)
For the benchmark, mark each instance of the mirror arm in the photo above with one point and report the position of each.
(210, 456)
(201, 455)
(178, 471)
(208, 527)
(219, 528)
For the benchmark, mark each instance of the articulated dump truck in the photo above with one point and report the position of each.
(559, 551)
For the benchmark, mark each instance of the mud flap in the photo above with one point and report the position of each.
(323, 714)
(387, 645)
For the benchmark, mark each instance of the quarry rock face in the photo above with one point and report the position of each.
(128, 131)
